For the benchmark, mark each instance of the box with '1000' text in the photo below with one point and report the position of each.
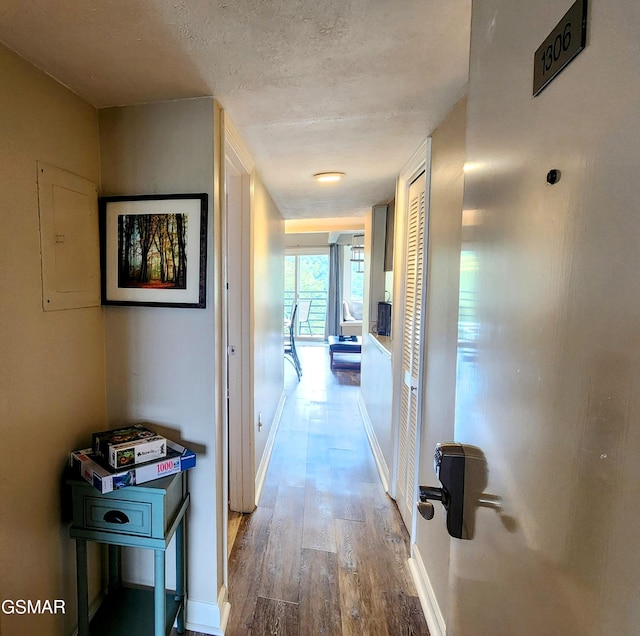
(106, 479)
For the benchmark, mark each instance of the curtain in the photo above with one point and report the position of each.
(334, 301)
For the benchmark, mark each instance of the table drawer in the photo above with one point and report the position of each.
(116, 515)
(131, 515)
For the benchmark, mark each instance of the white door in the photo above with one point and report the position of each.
(549, 378)
(414, 275)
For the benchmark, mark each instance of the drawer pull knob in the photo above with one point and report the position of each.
(115, 516)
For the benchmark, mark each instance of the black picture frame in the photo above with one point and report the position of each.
(153, 250)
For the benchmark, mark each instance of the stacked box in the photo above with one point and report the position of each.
(105, 479)
(129, 446)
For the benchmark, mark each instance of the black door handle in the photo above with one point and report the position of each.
(115, 516)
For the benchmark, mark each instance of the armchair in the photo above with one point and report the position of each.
(351, 323)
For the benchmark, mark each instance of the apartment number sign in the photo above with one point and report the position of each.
(562, 45)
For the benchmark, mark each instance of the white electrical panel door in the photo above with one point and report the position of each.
(69, 239)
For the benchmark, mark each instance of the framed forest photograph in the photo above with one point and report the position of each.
(154, 250)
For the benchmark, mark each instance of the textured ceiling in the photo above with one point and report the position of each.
(312, 86)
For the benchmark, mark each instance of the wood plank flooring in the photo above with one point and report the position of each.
(325, 552)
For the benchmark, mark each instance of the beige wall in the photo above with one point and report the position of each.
(267, 254)
(52, 378)
(551, 394)
(445, 216)
(161, 361)
(310, 239)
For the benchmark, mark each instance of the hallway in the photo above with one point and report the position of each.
(325, 552)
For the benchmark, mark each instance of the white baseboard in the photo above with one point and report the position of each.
(428, 600)
(383, 469)
(209, 618)
(261, 473)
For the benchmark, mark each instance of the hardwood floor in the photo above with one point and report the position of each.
(325, 552)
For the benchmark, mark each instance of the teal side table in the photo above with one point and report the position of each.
(145, 516)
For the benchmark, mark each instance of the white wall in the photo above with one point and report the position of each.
(52, 378)
(376, 376)
(161, 361)
(551, 394)
(376, 255)
(376, 391)
(267, 254)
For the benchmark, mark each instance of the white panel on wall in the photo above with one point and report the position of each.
(69, 240)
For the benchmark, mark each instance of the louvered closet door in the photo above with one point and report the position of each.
(412, 331)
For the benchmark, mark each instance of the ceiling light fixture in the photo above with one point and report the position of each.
(328, 177)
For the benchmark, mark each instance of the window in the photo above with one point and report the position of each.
(352, 279)
(306, 277)
(356, 286)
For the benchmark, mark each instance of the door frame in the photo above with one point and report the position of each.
(418, 163)
(237, 168)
